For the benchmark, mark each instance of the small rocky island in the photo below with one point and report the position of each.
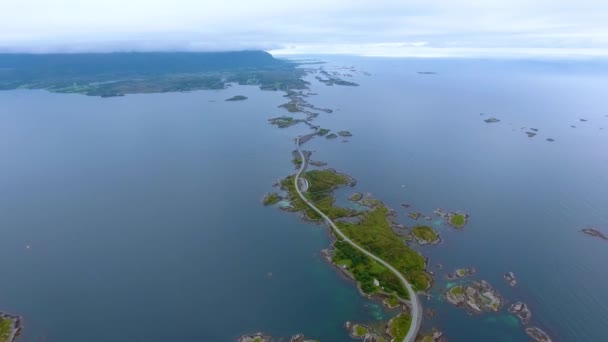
(272, 198)
(284, 121)
(595, 233)
(455, 219)
(537, 334)
(345, 134)
(425, 235)
(478, 297)
(10, 327)
(461, 273)
(510, 279)
(491, 120)
(260, 337)
(237, 98)
(522, 311)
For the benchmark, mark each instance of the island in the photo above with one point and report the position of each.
(345, 134)
(433, 336)
(595, 233)
(237, 98)
(522, 311)
(461, 273)
(425, 235)
(284, 121)
(455, 219)
(537, 334)
(478, 297)
(510, 279)
(491, 120)
(331, 136)
(260, 337)
(10, 327)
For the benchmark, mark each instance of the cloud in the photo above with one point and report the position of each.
(382, 27)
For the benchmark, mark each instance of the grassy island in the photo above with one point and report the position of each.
(360, 330)
(458, 220)
(9, 326)
(284, 121)
(331, 136)
(323, 131)
(425, 234)
(237, 98)
(271, 198)
(400, 325)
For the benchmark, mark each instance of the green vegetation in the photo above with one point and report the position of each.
(425, 233)
(392, 301)
(414, 216)
(331, 136)
(360, 330)
(323, 131)
(271, 198)
(457, 290)
(6, 325)
(291, 106)
(458, 220)
(321, 184)
(400, 325)
(284, 121)
(374, 233)
(345, 134)
(237, 98)
(117, 74)
(365, 270)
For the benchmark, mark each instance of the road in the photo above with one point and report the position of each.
(416, 308)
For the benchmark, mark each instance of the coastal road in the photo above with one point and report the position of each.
(416, 308)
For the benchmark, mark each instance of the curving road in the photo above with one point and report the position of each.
(416, 308)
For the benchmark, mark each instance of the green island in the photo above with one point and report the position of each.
(345, 134)
(356, 197)
(425, 234)
(458, 220)
(400, 325)
(284, 121)
(322, 131)
(331, 136)
(271, 198)
(360, 330)
(237, 98)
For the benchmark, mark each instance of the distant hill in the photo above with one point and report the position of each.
(113, 74)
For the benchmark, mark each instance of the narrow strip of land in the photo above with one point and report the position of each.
(415, 307)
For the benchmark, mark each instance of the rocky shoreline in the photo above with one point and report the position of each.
(15, 326)
(478, 297)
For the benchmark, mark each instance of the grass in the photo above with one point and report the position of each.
(375, 234)
(457, 290)
(458, 220)
(360, 330)
(5, 328)
(392, 301)
(323, 131)
(321, 183)
(365, 270)
(400, 325)
(271, 198)
(425, 233)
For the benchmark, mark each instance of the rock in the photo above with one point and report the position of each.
(537, 334)
(257, 337)
(522, 311)
(491, 120)
(510, 278)
(479, 296)
(530, 134)
(595, 233)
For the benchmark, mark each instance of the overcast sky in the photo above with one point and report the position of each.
(380, 27)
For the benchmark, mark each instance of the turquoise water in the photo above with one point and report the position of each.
(143, 213)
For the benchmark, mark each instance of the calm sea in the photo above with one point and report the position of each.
(140, 219)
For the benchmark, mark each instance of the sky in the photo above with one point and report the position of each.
(393, 28)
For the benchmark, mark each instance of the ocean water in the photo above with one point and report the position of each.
(140, 218)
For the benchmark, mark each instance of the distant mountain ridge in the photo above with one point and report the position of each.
(116, 74)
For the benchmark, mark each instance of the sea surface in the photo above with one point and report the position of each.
(139, 218)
